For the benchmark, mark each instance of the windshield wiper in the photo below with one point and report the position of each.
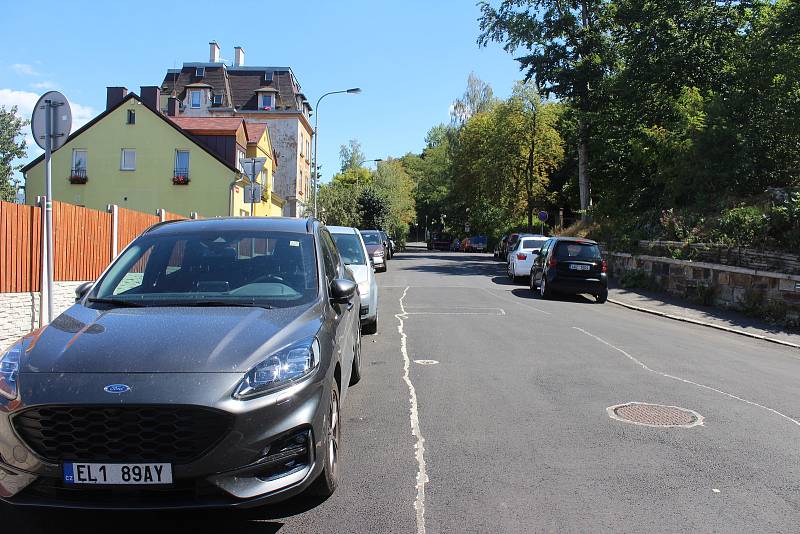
(117, 302)
(221, 303)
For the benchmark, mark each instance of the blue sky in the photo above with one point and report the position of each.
(411, 58)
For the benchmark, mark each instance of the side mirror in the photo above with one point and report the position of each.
(342, 290)
(82, 289)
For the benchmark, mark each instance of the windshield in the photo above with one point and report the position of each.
(236, 267)
(350, 249)
(577, 251)
(371, 238)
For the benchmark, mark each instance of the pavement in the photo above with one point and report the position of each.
(483, 408)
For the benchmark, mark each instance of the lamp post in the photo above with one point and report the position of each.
(352, 91)
(363, 161)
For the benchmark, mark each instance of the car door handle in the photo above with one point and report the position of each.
(349, 306)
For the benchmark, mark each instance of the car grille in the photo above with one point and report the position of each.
(175, 434)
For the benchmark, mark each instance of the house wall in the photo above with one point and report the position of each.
(150, 185)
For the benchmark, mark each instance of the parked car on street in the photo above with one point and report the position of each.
(508, 244)
(521, 258)
(478, 243)
(355, 256)
(166, 384)
(498, 248)
(569, 265)
(439, 241)
(376, 248)
(387, 243)
(513, 244)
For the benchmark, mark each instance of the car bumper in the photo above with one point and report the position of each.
(522, 268)
(565, 284)
(378, 261)
(239, 470)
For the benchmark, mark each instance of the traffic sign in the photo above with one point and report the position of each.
(543, 216)
(57, 104)
(253, 193)
(252, 167)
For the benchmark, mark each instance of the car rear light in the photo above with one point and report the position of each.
(522, 257)
(552, 263)
(604, 266)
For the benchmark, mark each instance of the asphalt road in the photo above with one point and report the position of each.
(508, 431)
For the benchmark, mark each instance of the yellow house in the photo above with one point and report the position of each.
(134, 156)
(259, 145)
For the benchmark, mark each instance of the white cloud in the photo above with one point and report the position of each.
(24, 69)
(45, 85)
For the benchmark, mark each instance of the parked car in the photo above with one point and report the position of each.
(478, 243)
(142, 396)
(513, 245)
(355, 256)
(376, 248)
(439, 242)
(465, 244)
(521, 258)
(509, 244)
(570, 265)
(387, 243)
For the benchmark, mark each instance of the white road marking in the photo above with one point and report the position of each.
(715, 490)
(426, 362)
(685, 381)
(419, 446)
(501, 312)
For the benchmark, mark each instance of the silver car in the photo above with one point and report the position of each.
(354, 254)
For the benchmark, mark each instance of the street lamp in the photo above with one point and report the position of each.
(352, 91)
(363, 161)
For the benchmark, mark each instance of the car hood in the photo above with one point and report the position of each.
(169, 339)
(360, 273)
(372, 248)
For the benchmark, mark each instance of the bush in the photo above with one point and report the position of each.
(742, 227)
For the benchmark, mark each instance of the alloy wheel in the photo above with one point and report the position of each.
(333, 433)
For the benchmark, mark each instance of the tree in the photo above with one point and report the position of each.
(338, 204)
(393, 182)
(568, 55)
(477, 98)
(373, 209)
(10, 150)
(351, 155)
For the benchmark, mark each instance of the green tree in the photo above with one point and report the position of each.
(373, 209)
(568, 54)
(393, 182)
(351, 156)
(12, 147)
(338, 204)
(477, 98)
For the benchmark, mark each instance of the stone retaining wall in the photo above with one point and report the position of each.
(19, 312)
(724, 285)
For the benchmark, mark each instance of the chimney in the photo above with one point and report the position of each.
(173, 104)
(115, 95)
(214, 52)
(151, 96)
(238, 60)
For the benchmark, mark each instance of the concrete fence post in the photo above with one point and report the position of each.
(113, 209)
(193, 215)
(162, 214)
(41, 201)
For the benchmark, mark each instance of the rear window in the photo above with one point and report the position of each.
(577, 251)
(533, 243)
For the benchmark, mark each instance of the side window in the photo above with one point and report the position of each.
(546, 248)
(329, 256)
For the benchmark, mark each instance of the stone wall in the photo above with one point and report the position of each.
(723, 285)
(19, 312)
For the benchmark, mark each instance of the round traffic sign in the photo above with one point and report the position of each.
(62, 120)
(543, 216)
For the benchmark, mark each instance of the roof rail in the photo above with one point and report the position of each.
(162, 223)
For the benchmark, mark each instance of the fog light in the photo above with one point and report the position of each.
(285, 456)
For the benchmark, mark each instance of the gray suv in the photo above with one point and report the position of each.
(205, 368)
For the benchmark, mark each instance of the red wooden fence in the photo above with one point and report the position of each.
(82, 246)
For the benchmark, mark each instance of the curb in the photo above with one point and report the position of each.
(703, 323)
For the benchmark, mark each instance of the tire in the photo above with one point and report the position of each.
(602, 296)
(355, 374)
(532, 283)
(544, 291)
(328, 480)
(371, 327)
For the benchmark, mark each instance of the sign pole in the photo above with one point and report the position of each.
(48, 204)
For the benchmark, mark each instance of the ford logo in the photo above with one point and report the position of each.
(117, 388)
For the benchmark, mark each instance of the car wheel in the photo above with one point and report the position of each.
(508, 273)
(371, 327)
(544, 291)
(328, 479)
(532, 282)
(602, 296)
(355, 374)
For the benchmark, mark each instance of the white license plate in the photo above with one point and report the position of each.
(118, 474)
(575, 267)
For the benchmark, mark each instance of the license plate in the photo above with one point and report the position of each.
(575, 267)
(118, 474)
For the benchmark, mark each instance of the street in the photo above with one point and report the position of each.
(483, 408)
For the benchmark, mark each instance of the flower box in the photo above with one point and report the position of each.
(78, 179)
(180, 180)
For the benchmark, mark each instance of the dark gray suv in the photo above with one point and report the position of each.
(205, 368)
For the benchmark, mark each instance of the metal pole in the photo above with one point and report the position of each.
(41, 201)
(316, 164)
(48, 206)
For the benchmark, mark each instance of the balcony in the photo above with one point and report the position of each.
(78, 176)
(181, 176)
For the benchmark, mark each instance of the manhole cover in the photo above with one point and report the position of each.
(658, 415)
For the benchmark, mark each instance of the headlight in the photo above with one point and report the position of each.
(9, 371)
(280, 369)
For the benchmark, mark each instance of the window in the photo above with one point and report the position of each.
(200, 72)
(182, 163)
(266, 101)
(196, 97)
(131, 116)
(128, 161)
(79, 158)
(350, 249)
(302, 144)
(329, 256)
(240, 155)
(217, 100)
(308, 148)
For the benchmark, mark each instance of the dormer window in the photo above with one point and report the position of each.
(196, 97)
(265, 101)
(200, 72)
(268, 77)
(216, 100)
